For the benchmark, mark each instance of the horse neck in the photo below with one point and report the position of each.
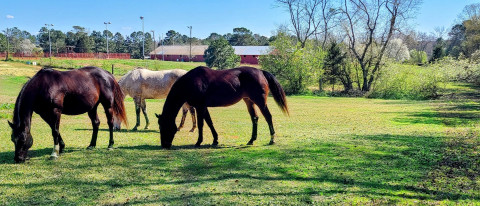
(22, 115)
(172, 106)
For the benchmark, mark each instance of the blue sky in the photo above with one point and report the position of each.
(221, 16)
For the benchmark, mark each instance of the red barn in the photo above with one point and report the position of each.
(248, 54)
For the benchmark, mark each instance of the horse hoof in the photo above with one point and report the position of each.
(134, 129)
(110, 148)
(90, 147)
(250, 143)
(271, 143)
(146, 128)
(215, 144)
(192, 130)
(53, 157)
(197, 145)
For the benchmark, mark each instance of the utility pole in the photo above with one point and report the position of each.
(8, 45)
(163, 56)
(49, 40)
(154, 45)
(190, 57)
(143, 40)
(106, 34)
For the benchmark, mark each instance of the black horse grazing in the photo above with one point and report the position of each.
(51, 93)
(203, 87)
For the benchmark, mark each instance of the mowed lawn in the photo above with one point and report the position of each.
(328, 151)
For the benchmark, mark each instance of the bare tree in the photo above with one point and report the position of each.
(370, 24)
(303, 16)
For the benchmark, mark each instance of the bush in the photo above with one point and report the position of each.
(296, 68)
(409, 82)
(418, 57)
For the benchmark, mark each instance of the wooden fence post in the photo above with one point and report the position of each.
(112, 68)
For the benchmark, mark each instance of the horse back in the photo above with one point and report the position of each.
(75, 92)
(221, 87)
(146, 84)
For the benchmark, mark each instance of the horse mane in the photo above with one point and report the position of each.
(18, 102)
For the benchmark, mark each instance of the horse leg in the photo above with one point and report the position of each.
(62, 144)
(268, 117)
(109, 113)
(144, 110)
(194, 121)
(184, 115)
(208, 119)
(95, 123)
(54, 125)
(138, 102)
(200, 117)
(254, 117)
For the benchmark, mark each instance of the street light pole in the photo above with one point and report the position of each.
(49, 40)
(154, 44)
(143, 40)
(190, 57)
(106, 34)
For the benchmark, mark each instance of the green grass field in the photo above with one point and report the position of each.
(338, 151)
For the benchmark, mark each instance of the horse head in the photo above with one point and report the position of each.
(168, 129)
(22, 139)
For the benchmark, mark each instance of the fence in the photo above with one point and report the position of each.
(72, 55)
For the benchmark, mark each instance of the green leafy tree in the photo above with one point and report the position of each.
(457, 36)
(335, 67)
(438, 51)
(100, 45)
(3, 42)
(220, 54)
(174, 38)
(242, 37)
(295, 67)
(119, 42)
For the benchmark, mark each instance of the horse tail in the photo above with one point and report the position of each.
(277, 92)
(118, 106)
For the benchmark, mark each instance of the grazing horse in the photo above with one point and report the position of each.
(203, 87)
(51, 93)
(144, 84)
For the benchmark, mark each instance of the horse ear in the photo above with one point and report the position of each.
(11, 124)
(158, 115)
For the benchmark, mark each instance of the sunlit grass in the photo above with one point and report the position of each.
(329, 151)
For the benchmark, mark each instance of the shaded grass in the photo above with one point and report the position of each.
(329, 151)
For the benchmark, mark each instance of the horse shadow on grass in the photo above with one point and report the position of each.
(182, 147)
(122, 130)
(7, 157)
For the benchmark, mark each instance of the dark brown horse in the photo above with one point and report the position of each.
(51, 93)
(203, 87)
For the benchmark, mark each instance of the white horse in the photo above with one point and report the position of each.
(141, 84)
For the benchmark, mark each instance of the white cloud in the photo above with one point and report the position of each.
(10, 16)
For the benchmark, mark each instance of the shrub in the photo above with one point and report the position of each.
(418, 57)
(296, 68)
(409, 82)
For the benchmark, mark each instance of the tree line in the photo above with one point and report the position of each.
(79, 40)
(351, 41)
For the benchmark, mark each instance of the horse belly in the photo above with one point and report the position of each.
(74, 105)
(223, 99)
